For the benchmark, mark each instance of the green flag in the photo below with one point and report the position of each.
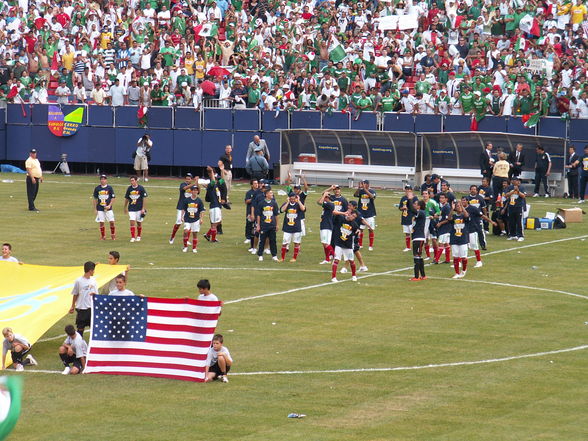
(10, 394)
(532, 120)
(336, 51)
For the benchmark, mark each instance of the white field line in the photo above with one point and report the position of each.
(224, 268)
(386, 369)
(510, 285)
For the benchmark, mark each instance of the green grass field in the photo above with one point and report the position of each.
(380, 359)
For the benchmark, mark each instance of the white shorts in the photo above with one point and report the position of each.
(346, 253)
(303, 225)
(371, 222)
(407, 229)
(102, 216)
(474, 244)
(215, 215)
(326, 236)
(289, 237)
(194, 227)
(444, 238)
(135, 216)
(459, 251)
(179, 220)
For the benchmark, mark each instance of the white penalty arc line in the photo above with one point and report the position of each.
(230, 268)
(386, 369)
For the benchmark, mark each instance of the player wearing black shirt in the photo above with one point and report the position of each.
(516, 204)
(478, 201)
(216, 194)
(185, 192)
(192, 212)
(474, 227)
(136, 206)
(459, 240)
(250, 198)
(302, 194)
(485, 190)
(406, 202)
(344, 229)
(103, 200)
(292, 226)
(443, 230)
(367, 209)
(267, 223)
(326, 225)
(418, 239)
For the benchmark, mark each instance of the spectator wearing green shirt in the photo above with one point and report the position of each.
(156, 95)
(467, 100)
(388, 102)
(253, 96)
(523, 104)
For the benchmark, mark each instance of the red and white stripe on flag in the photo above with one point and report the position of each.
(155, 337)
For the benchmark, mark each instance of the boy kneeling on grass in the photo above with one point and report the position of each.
(73, 351)
(218, 361)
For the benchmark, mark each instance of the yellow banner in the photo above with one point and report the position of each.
(33, 298)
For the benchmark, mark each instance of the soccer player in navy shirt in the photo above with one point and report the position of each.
(192, 212)
(338, 200)
(418, 238)
(474, 227)
(406, 202)
(443, 230)
(103, 200)
(367, 209)
(292, 226)
(216, 193)
(267, 223)
(344, 229)
(250, 197)
(485, 190)
(432, 211)
(459, 240)
(136, 206)
(516, 204)
(478, 201)
(326, 225)
(185, 192)
(302, 194)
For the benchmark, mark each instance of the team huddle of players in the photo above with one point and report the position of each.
(438, 223)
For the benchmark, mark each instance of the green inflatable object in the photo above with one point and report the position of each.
(10, 395)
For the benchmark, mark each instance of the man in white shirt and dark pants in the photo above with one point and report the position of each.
(84, 288)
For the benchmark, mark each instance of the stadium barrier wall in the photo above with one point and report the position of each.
(185, 137)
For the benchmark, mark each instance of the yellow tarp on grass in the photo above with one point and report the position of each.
(33, 297)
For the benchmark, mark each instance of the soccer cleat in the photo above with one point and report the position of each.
(435, 262)
(102, 238)
(415, 279)
(132, 239)
(280, 260)
(146, 179)
(536, 195)
(207, 237)
(334, 280)
(224, 379)
(194, 250)
(457, 276)
(371, 249)
(138, 238)
(324, 262)
(32, 360)
(253, 251)
(447, 262)
(463, 274)
(267, 251)
(354, 278)
(247, 241)
(171, 241)
(292, 260)
(113, 236)
(521, 239)
(260, 258)
(427, 258)
(363, 269)
(581, 201)
(424, 278)
(19, 368)
(478, 264)
(185, 250)
(547, 195)
(503, 233)
(513, 238)
(275, 258)
(66, 371)
(405, 250)
(215, 241)
(343, 270)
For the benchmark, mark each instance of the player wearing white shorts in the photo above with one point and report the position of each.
(185, 192)
(292, 226)
(326, 225)
(406, 217)
(459, 240)
(367, 209)
(216, 193)
(136, 206)
(192, 212)
(474, 226)
(103, 200)
(344, 228)
(443, 230)
(302, 194)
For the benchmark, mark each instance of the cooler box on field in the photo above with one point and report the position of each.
(546, 223)
(533, 223)
(571, 215)
(353, 159)
(306, 157)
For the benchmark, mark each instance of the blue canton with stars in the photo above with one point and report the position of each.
(120, 318)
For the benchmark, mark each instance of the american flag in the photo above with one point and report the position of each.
(150, 336)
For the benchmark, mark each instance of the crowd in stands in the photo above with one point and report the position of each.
(478, 57)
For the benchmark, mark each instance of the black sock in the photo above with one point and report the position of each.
(416, 267)
(422, 267)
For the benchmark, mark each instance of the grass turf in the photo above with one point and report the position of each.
(382, 321)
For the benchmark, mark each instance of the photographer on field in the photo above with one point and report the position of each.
(142, 156)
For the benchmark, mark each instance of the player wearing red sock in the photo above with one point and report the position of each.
(345, 228)
(136, 206)
(406, 218)
(185, 193)
(443, 228)
(192, 213)
(367, 209)
(459, 239)
(474, 227)
(292, 225)
(103, 201)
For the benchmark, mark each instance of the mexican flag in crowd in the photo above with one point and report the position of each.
(336, 51)
(206, 30)
(531, 120)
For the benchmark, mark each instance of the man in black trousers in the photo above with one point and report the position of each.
(34, 178)
(486, 161)
(517, 161)
(542, 171)
(572, 172)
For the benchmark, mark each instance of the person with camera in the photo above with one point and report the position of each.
(142, 156)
